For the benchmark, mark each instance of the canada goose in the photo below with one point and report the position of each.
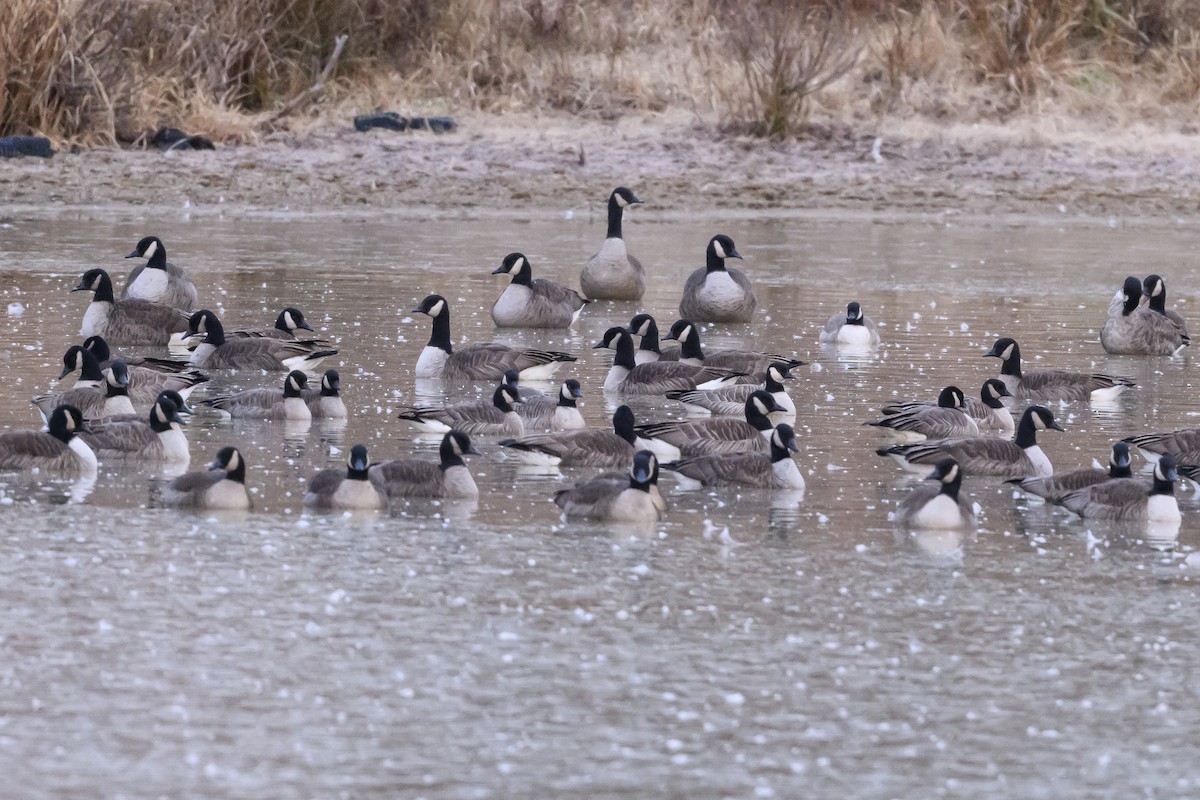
(286, 324)
(326, 402)
(126, 322)
(585, 448)
(109, 398)
(644, 327)
(157, 438)
(986, 455)
(1180, 444)
(1130, 499)
(559, 413)
(1052, 386)
(1133, 330)
(701, 437)
(988, 410)
(411, 478)
(156, 280)
(478, 417)
(1155, 291)
(691, 352)
(603, 498)
(529, 303)
(937, 505)
(1054, 488)
(271, 355)
(176, 399)
(612, 273)
(485, 361)
(286, 403)
(730, 401)
(851, 327)
(714, 293)
(946, 420)
(773, 470)
(220, 487)
(345, 488)
(148, 378)
(58, 449)
(626, 376)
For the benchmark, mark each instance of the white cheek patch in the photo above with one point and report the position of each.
(436, 311)
(70, 422)
(621, 201)
(718, 250)
(289, 322)
(952, 475)
(1038, 422)
(151, 250)
(762, 408)
(686, 333)
(234, 462)
(1007, 353)
(518, 265)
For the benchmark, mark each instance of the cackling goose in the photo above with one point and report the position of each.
(1054, 488)
(1155, 291)
(1130, 499)
(285, 403)
(851, 327)
(937, 505)
(774, 470)
(110, 397)
(946, 420)
(326, 402)
(1130, 329)
(148, 377)
(222, 486)
(715, 293)
(349, 488)
(646, 329)
(448, 478)
(603, 498)
(559, 413)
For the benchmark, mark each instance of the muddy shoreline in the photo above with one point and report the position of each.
(498, 165)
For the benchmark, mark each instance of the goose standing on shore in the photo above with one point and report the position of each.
(157, 280)
(530, 303)
(612, 273)
(716, 293)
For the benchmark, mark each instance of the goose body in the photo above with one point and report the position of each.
(448, 478)
(730, 401)
(148, 377)
(1052, 386)
(718, 435)
(850, 327)
(326, 402)
(988, 410)
(349, 488)
(750, 362)
(1154, 289)
(270, 355)
(937, 505)
(1180, 444)
(157, 280)
(628, 377)
(496, 417)
(157, 438)
(612, 449)
(57, 450)
(126, 322)
(774, 470)
(946, 420)
(220, 487)
(612, 273)
(1054, 488)
(1129, 499)
(559, 413)
(1130, 329)
(286, 403)
(649, 348)
(530, 303)
(109, 398)
(716, 293)
(986, 455)
(477, 362)
(634, 499)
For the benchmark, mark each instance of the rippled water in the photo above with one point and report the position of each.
(752, 646)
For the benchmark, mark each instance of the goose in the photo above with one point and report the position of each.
(634, 500)
(715, 293)
(57, 450)
(946, 420)
(220, 487)
(1129, 499)
(730, 401)
(611, 449)
(448, 478)
(612, 273)
(628, 377)
(326, 401)
(1154, 289)
(529, 303)
(157, 438)
(286, 324)
(1054, 488)
(774, 470)
(1132, 330)
(644, 327)
(1180, 444)
(109, 398)
(271, 355)
(477, 417)
(477, 362)
(557, 414)
(986, 455)
(147, 380)
(1052, 386)
(126, 322)
(349, 488)
(851, 327)
(176, 399)
(691, 352)
(988, 410)
(719, 435)
(156, 280)
(286, 403)
(937, 505)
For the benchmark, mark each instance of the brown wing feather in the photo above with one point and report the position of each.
(408, 478)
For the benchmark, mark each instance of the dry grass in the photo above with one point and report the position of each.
(101, 72)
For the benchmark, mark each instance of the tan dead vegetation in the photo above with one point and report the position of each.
(95, 73)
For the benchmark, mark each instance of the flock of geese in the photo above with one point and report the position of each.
(740, 415)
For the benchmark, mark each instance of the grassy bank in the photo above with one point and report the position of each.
(89, 72)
